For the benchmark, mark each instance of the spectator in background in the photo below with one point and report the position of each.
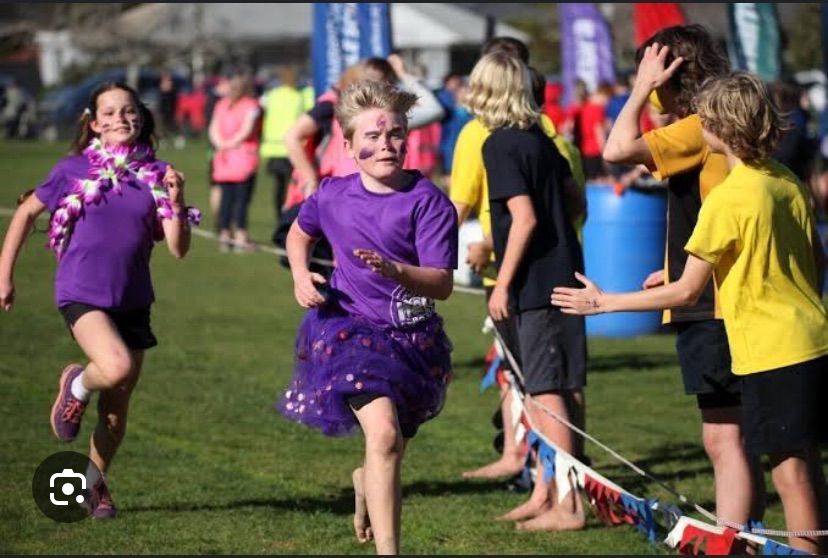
(572, 125)
(593, 131)
(13, 109)
(620, 94)
(234, 132)
(215, 94)
(168, 97)
(190, 114)
(455, 118)
(283, 105)
(797, 149)
(552, 105)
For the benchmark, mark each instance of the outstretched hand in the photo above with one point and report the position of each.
(305, 291)
(652, 72)
(377, 263)
(581, 302)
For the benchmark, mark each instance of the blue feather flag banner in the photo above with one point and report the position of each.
(343, 34)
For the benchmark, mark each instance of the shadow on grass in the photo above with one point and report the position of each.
(338, 504)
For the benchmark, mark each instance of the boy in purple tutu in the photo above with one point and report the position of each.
(372, 353)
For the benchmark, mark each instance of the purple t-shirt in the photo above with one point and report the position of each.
(106, 263)
(416, 226)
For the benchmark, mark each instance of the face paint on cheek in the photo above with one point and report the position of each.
(403, 150)
(365, 153)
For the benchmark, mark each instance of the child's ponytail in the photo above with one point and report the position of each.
(84, 133)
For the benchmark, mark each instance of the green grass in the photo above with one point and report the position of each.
(209, 467)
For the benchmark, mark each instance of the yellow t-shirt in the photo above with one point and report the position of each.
(756, 228)
(683, 158)
(469, 184)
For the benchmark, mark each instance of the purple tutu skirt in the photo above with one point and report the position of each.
(339, 356)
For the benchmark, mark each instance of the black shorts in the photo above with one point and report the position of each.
(132, 325)
(783, 410)
(357, 402)
(552, 350)
(704, 356)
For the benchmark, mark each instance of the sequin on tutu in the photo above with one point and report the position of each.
(339, 356)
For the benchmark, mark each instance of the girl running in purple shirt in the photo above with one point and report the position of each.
(109, 200)
(371, 353)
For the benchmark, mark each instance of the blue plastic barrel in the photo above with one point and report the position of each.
(623, 243)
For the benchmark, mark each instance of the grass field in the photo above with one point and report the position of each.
(209, 467)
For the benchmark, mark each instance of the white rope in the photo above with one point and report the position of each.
(682, 498)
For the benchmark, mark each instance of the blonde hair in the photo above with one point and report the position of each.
(368, 94)
(739, 110)
(500, 92)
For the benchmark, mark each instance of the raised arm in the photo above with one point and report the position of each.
(18, 231)
(625, 144)
(176, 230)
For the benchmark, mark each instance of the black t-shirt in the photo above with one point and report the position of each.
(526, 162)
(323, 115)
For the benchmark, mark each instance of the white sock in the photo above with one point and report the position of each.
(93, 475)
(78, 390)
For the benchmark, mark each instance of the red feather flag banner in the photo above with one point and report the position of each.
(653, 17)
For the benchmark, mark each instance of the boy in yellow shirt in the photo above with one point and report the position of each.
(672, 66)
(756, 233)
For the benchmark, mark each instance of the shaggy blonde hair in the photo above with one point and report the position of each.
(364, 95)
(739, 110)
(500, 92)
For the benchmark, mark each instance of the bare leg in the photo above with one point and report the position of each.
(512, 459)
(111, 363)
(722, 438)
(538, 502)
(362, 524)
(576, 406)
(792, 479)
(113, 405)
(383, 455)
(569, 514)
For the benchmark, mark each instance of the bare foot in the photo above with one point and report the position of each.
(531, 508)
(362, 524)
(555, 519)
(503, 467)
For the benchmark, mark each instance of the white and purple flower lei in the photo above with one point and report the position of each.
(112, 169)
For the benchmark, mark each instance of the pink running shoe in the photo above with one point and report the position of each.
(67, 410)
(104, 507)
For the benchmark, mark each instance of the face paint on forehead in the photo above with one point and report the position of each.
(365, 153)
(381, 123)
